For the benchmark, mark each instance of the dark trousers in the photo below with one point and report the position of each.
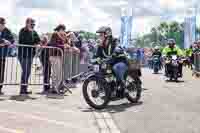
(2, 71)
(26, 64)
(46, 71)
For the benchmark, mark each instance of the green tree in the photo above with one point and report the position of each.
(163, 29)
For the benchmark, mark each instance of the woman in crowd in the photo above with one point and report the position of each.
(58, 40)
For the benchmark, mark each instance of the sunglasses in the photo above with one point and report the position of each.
(32, 24)
(101, 35)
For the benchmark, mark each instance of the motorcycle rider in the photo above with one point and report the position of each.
(105, 49)
(170, 50)
(158, 53)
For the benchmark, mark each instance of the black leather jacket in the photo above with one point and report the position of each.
(108, 51)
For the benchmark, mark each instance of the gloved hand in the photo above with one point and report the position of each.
(96, 60)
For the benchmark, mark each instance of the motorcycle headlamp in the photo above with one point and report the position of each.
(104, 66)
(96, 68)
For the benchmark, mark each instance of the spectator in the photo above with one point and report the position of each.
(44, 58)
(78, 43)
(139, 56)
(84, 54)
(72, 40)
(6, 38)
(58, 40)
(27, 36)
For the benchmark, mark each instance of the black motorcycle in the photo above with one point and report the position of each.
(156, 63)
(173, 63)
(101, 87)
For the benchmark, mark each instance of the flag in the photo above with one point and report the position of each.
(126, 28)
(189, 31)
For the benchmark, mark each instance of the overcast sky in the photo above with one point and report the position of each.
(90, 14)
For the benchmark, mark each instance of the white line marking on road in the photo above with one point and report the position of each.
(105, 122)
(111, 124)
(102, 125)
(98, 115)
(106, 115)
(115, 131)
(11, 130)
(105, 131)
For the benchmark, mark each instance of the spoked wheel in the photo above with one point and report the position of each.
(96, 92)
(133, 90)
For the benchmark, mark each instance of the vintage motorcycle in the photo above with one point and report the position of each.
(101, 87)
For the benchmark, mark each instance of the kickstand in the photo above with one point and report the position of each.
(68, 90)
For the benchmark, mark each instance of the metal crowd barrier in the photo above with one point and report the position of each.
(71, 64)
(197, 63)
(56, 63)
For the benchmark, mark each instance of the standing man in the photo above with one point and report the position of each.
(27, 36)
(6, 38)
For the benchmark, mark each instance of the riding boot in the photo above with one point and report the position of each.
(121, 89)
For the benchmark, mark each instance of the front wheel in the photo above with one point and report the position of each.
(96, 92)
(134, 90)
(176, 73)
(155, 70)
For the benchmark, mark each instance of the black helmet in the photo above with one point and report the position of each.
(2, 20)
(171, 41)
(105, 29)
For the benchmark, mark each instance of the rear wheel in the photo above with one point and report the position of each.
(96, 92)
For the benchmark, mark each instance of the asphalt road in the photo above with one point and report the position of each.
(39, 114)
(164, 108)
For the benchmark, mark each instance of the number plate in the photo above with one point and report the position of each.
(96, 68)
(174, 57)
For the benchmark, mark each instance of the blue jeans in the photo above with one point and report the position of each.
(26, 64)
(120, 70)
